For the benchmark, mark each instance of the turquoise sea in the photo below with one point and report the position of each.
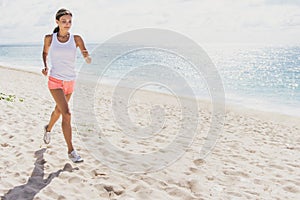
(255, 76)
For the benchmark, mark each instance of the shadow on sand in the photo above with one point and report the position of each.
(36, 181)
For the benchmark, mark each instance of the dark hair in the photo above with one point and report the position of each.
(61, 12)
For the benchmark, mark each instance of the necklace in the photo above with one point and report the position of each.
(63, 36)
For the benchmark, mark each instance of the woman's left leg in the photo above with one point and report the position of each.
(63, 107)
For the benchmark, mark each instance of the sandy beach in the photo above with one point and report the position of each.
(257, 155)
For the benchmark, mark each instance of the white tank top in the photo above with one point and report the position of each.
(63, 57)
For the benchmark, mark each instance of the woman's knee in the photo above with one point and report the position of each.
(66, 114)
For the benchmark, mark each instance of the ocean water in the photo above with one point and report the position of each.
(255, 76)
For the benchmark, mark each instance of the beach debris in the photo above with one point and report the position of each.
(97, 172)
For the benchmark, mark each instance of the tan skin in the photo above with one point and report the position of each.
(62, 107)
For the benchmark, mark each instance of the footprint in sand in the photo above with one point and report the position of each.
(195, 187)
(199, 162)
(236, 173)
(74, 180)
(110, 189)
(291, 189)
(68, 167)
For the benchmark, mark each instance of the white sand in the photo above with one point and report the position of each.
(257, 156)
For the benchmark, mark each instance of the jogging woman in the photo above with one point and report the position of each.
(62, 46)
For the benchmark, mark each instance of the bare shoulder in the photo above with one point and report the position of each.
(48, 38)
(77, 38)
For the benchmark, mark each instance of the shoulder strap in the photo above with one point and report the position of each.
(51, 38)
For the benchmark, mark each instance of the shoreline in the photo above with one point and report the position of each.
(229, 106)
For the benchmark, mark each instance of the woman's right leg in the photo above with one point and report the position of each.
(63, 107)
(55, 115)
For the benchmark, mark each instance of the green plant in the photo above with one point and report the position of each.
(9, 97)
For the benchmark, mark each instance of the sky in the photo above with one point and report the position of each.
(204, 21)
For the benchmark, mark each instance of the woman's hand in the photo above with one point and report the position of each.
(86, 56)
(45, 71)
(88, 59)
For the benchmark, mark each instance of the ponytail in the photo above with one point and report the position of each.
(56, 29)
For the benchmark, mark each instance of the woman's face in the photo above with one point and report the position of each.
(64, 22)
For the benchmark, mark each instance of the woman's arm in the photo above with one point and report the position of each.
(47, 43)
(79, 43)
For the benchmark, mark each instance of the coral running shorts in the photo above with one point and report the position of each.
(66, 86)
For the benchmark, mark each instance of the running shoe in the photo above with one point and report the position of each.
(46, 135)
(75, 157)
